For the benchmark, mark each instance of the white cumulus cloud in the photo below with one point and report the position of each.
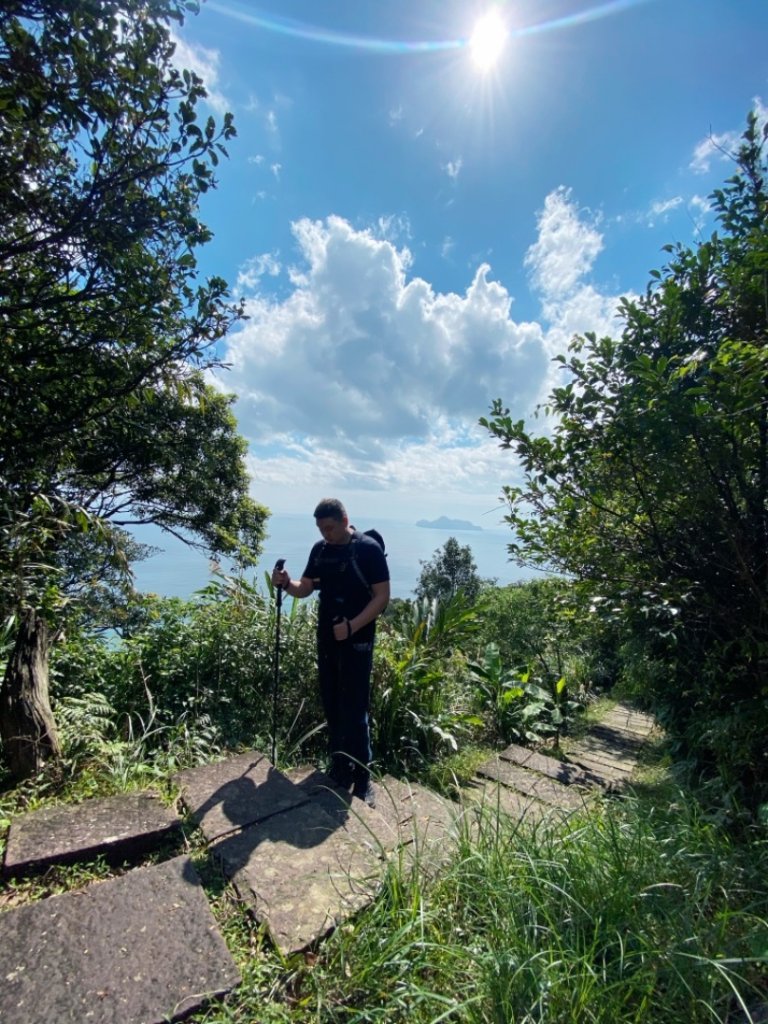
(359, 355)
(365, 377)
(566, 248)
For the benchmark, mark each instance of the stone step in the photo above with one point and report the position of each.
(142, 948)
(117, 828)
(561, 771)
(531, 784)
(628, 718)
(616, 739)
(613, 746)
(409, 818)
(605, 758)
(617, 773)
(491, 799)
(303, 853)
(228, 795)
(300, 872)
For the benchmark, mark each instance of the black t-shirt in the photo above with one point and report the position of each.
(344, 575)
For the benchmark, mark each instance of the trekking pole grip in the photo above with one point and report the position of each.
(279, 567)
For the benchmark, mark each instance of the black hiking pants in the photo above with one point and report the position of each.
(344, 672)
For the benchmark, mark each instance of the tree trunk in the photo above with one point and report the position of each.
(27, 727)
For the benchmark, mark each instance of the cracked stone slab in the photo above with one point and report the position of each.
(235, 793)
(561, 771)
(404, 811)
(492, 799)
(627, 718)
(424, 817)
(370, 827)
(422, 825)
(300, 872)
(430, 825)
(618, 773)
(117, 828)
(529, 783)
(139, 949)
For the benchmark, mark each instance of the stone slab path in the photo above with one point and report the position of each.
(300, 873)
(301, 853)
(234, 793)
(139, 949)
(527, 785)
(116, 828)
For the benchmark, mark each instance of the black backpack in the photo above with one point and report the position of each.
(374, 535)
(377, 537)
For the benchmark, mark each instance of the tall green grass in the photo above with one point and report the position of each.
(642, 911)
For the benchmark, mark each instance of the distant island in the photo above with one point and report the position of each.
(444, 523)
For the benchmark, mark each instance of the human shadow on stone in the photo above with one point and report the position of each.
(241, 814)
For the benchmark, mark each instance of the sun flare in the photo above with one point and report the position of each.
(487, 41)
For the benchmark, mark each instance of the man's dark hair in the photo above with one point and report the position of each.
(330, 508)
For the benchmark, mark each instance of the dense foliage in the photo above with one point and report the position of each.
(105, 415)
(651, 490)
(183, 680)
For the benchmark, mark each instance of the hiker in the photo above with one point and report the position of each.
(350, 571)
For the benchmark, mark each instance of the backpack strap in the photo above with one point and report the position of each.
(355, 565)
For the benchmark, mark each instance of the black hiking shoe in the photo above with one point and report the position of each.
(363, 790)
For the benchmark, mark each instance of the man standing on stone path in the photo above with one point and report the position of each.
(350, 571)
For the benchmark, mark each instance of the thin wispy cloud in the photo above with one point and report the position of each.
(453, 168)
(699, 208)
(250, 274)
(714, 148)
(724, 146)
(663, 206)
(394, 227)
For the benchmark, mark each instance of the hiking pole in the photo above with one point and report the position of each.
(279, 602)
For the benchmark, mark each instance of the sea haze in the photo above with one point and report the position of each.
(178, 571)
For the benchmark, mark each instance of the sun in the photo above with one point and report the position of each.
(487, 41)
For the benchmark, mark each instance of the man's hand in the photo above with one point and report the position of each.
(280, 578)
(342, 630)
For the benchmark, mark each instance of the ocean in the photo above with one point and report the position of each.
(178, 571)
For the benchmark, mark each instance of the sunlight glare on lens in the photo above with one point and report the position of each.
(487, 41)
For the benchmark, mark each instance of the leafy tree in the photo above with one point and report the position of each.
(105, 415)
(544, 625)
(651, 490)
(450, 571)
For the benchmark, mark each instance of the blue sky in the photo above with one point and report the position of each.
(416, 235)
